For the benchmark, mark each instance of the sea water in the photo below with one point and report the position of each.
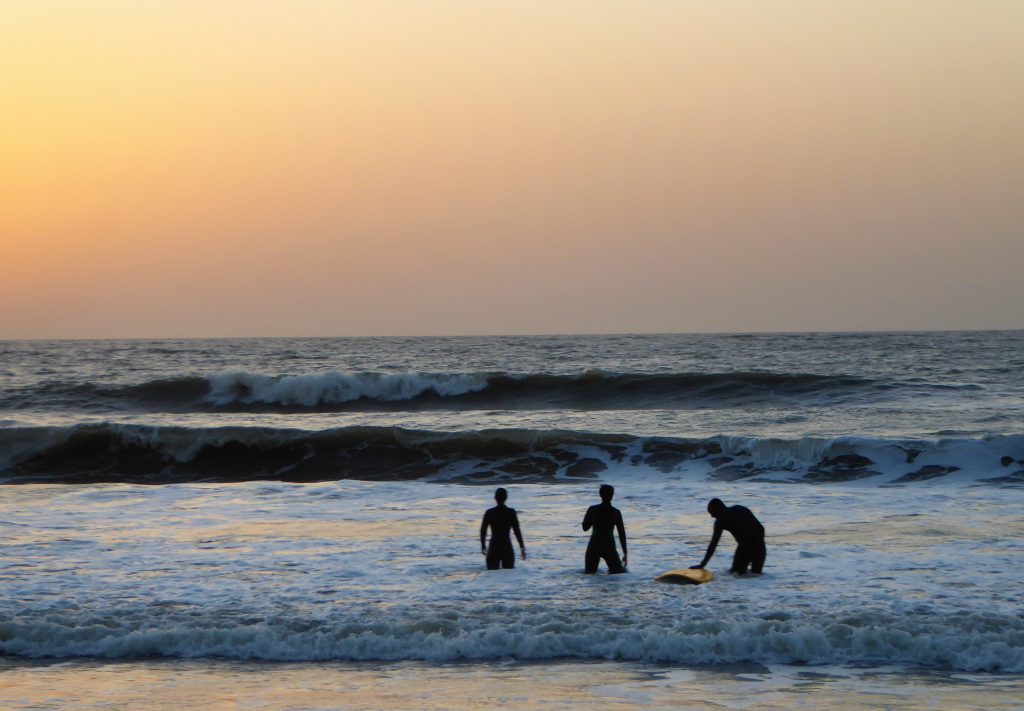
(294, 523)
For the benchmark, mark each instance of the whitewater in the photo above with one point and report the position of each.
(211, 514)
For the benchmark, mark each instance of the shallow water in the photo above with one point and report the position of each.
(294, 523)
(391, 571)
(214, 684)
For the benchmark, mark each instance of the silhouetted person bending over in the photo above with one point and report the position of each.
(745, 528)
(604, 518)
(501, 519)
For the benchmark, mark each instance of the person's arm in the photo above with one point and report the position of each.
(711, 546)
(587, 522)
(519, 535)
(483, 535)
(622, 538)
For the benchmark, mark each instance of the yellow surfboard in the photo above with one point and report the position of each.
(686, 576)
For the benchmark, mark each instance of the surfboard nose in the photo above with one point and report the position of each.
(686, 576)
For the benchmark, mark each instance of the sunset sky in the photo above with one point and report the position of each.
(261, 168)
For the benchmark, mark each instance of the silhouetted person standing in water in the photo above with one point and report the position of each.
(604, 518)
(745, 528)
(501, 519)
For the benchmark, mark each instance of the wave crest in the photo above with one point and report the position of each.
(970, 642)
(243, 391)
(159, 455)
(337, 388)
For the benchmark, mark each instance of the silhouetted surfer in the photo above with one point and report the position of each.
(604, 519)
(745, 528)
(501, 519)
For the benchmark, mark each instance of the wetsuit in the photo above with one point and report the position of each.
(749, 535)
(501, 519)
(604, 519)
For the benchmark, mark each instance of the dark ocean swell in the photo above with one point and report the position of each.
(353, 392)
(162, 455)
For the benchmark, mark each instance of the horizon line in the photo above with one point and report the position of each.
(520, 335)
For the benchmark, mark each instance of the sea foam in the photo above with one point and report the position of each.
(972, 642)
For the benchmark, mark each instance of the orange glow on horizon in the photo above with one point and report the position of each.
(203, 169)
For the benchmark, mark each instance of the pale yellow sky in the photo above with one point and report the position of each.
(234, 168)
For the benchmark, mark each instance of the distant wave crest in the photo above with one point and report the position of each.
(337, 388)
(242, 391)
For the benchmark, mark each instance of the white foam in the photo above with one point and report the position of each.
(388, 571)
(967, 459)
(772, 453)
(972, 643)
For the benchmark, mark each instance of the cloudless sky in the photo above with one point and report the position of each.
(322, 167)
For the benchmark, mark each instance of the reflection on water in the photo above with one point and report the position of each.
(216, 685)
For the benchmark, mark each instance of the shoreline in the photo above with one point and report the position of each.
(170, 683)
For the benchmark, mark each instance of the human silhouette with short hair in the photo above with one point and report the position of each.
(745, 528)
(602, 520)
(501, 519)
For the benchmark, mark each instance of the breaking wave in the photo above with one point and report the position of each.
(967, 642)
(334, 391)
(159, 455)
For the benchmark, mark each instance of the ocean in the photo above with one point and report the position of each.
(294, 523)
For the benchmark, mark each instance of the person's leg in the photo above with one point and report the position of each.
(611, 557)
(741, 560)
(591, 560)
(509, 559)
(760, 552)
(493, 561)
